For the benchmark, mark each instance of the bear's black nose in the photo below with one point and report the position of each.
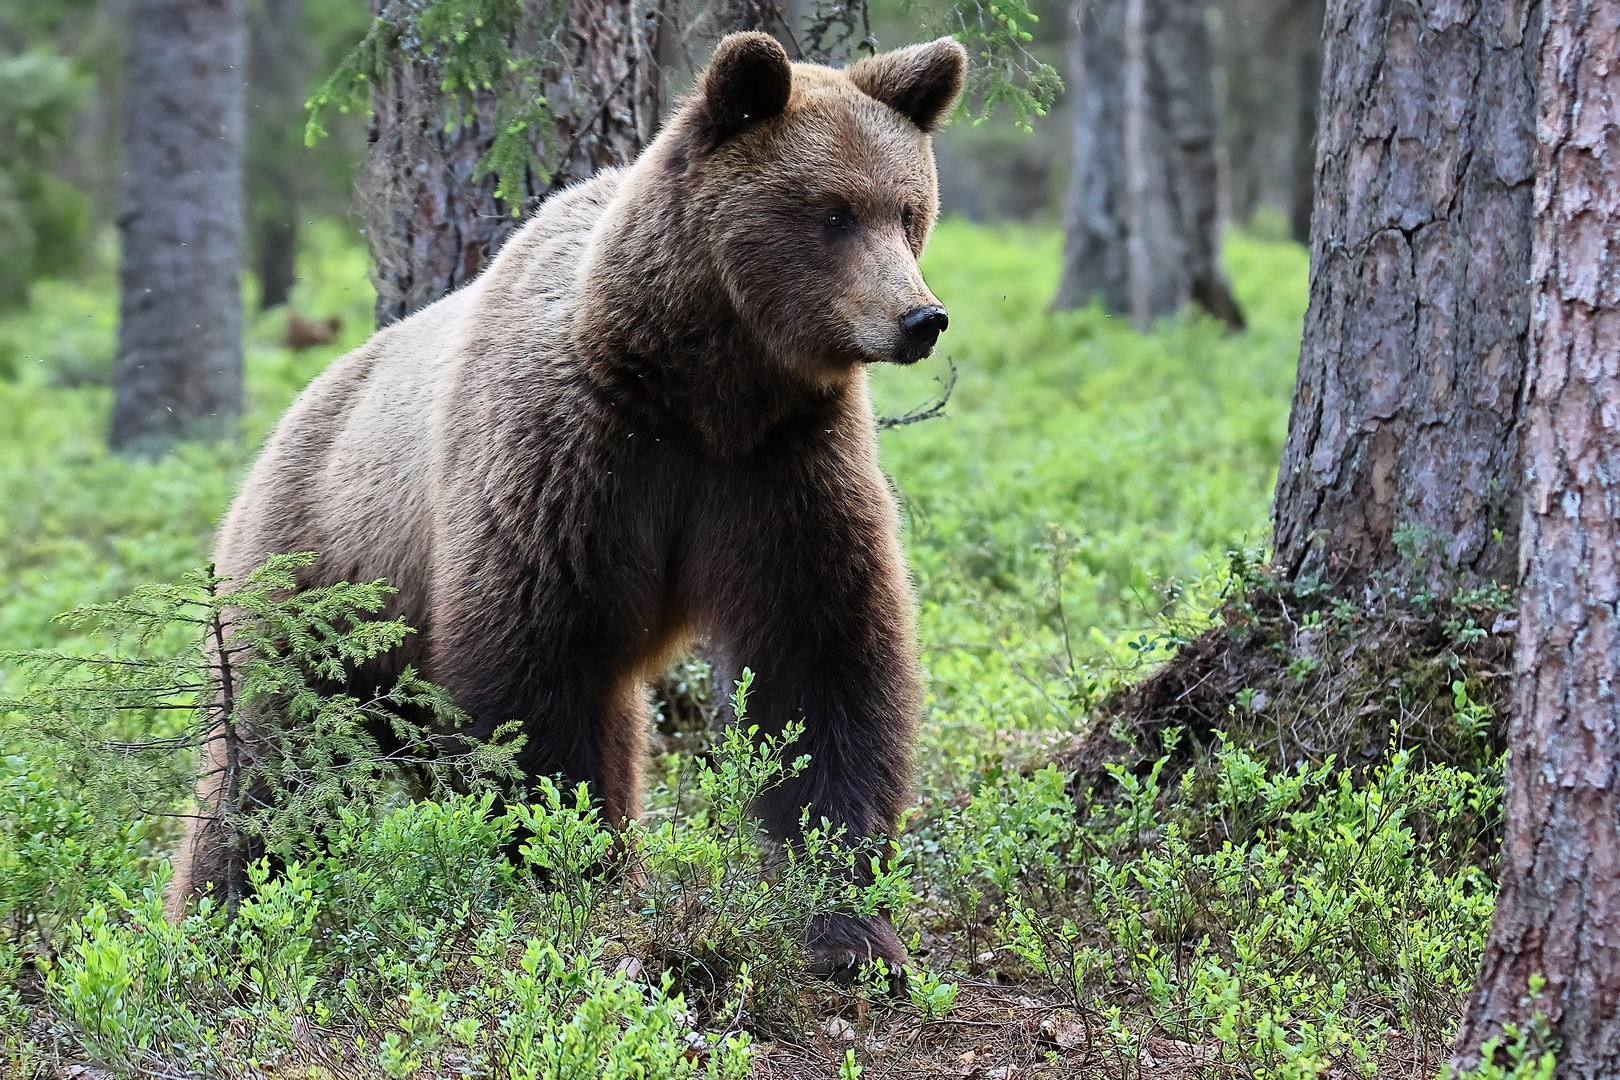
(919, 329)
(923, 324)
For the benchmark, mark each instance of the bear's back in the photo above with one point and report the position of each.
(349, 471)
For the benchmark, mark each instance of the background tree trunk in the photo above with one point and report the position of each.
(430, 225)
(1308, 83)
(278, 62)
(1404, 430)
(733, 16)
(1269, 53)
(178, 370)
(1142, 224)
(1559, 904)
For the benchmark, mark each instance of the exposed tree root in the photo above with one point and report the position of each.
(1297, 679)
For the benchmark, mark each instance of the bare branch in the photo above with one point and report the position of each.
(924, 412)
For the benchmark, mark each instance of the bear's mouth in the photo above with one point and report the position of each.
(909, 352)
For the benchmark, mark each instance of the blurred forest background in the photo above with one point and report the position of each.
(1195, 797)
(63, 75)
(64, 120)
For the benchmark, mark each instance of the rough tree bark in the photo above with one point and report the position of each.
(1559, 902)
(278, 61)
(1142, 227)
(1411, 372)
(431, 226)
(1270, 53)
(178, 369)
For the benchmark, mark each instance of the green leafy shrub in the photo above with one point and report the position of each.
(15, 1044)
(723, 905)
(1284, 919)
(416, 936)
(58, 852)
(409, 926)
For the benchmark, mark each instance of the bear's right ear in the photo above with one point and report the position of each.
(748, 80)
(921, 82)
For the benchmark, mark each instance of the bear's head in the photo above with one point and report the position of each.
(815, 192)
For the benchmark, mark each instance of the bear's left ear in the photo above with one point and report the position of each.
(748, 80)
(920, 81)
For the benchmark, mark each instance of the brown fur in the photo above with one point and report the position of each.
(302, 333)
(649, 418)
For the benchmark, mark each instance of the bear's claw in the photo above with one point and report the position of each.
(841, 945)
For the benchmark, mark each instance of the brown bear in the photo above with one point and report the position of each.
(648, 419)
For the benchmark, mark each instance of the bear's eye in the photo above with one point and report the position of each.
(837, 220)
(908, 217)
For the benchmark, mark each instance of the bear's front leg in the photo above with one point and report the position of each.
(815, 599)
(555, 632)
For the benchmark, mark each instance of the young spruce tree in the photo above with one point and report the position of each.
(181, 669)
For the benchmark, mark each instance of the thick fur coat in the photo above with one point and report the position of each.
(648, 420)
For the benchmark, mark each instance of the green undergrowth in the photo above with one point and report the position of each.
(426, 936)
(82, 524)
(1273, 922)
(1289, 877)
(1276, 850)
(1282, 923)
(413, 937)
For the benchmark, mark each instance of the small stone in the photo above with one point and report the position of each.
(1069, 1034)
(838, 1028)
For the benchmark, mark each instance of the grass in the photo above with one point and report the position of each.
(1069, 523)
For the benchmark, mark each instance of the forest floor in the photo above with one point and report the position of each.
(1280, 872)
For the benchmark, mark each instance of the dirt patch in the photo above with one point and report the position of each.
(995, 1032)
(1008, 1032)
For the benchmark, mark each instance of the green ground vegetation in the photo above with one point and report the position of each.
(1093, 500)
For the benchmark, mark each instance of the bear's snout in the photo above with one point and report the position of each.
(919, 330)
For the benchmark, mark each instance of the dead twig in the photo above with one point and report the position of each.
(923, 412)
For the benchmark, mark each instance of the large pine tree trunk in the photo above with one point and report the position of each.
(431, 226)
(1558, 910)
(278, 61)
(1404, 432)
(1142, 228)
(178, 371)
